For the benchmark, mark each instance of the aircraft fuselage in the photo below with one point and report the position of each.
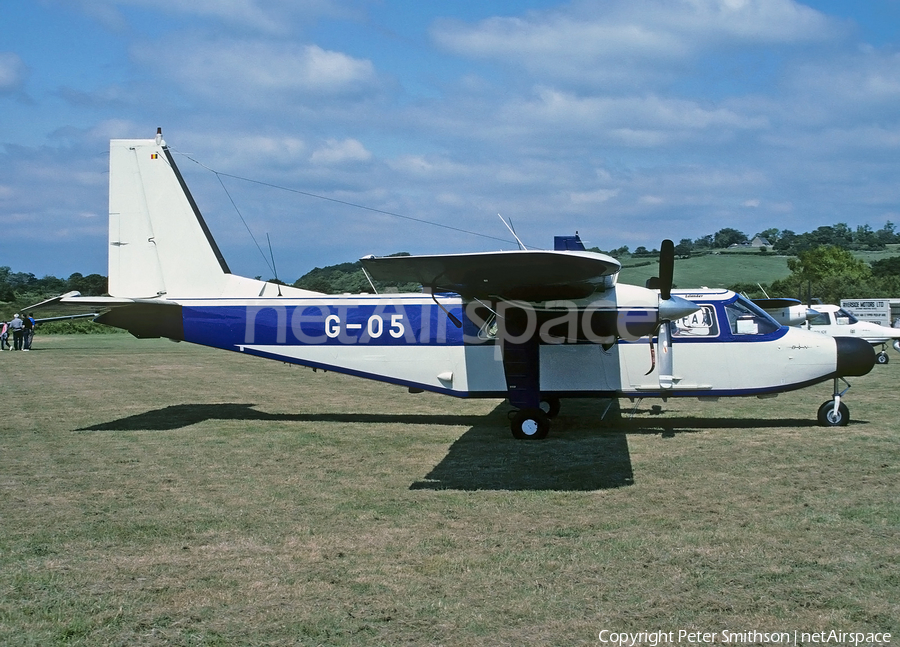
(408, 339)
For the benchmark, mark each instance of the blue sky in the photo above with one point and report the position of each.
(627, 120)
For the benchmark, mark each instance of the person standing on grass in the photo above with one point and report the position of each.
(4, 336)
(28, 330)
(18, 330)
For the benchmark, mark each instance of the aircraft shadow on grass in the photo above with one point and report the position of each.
(584, 454)
(480, 459)
(587, 451)
(485, 457)
(178, 416)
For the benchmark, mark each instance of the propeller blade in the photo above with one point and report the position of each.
(670, 309)
(666, 268)
(666, 377)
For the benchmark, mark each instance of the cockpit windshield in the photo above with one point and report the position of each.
(746, 318)
(844, 318)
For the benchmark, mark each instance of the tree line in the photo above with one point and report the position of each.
(781, 241)
(21, 289)
(22, 283)
(830, 273)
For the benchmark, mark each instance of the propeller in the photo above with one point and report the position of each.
(670, 309)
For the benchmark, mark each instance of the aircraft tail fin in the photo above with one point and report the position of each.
(160, 245)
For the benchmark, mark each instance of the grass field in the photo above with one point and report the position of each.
(154, 493)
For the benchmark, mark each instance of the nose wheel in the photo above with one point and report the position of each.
(828, 417)
(834, 413)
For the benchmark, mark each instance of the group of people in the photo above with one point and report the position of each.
(21, 330)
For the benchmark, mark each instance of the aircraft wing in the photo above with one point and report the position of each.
(774, 304)
(527, 275)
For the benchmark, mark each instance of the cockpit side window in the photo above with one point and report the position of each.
(821, 319)
(701, 323)
(746, 319)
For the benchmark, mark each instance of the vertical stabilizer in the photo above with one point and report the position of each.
(159, 242)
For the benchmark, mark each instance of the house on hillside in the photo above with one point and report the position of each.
(759, 241)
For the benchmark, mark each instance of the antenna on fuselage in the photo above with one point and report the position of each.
(512, 231)
(272, 256)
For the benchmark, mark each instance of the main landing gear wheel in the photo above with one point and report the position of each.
(827, 417)
(550, 405)
(882, 357)
(530, 424)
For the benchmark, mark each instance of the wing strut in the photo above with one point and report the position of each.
(452, 317)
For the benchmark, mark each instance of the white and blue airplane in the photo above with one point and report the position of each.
(531, 326)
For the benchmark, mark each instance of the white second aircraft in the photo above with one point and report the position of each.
(530, 326)
(835, 321)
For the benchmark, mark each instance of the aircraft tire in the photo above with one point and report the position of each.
(828, 419)
(550, 405)
(530, 424)
(882, 358)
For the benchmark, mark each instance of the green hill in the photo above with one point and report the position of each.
(711, 270)
(727, 268)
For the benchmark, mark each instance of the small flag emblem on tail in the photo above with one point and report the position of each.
(154, 156)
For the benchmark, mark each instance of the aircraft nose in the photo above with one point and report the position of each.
(855, 356)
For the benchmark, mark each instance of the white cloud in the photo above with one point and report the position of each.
(338, 152)
(845, 87)
(12, 72)
(647, 120)
(256, 72)
(593, 197)
(269, 16)
(420, 166)
(610, 41)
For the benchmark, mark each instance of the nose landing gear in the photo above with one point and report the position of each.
(834, 413)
